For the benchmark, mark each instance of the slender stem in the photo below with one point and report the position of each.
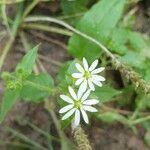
(124, 112)
(11, 1)
(143, 119)
(30, 7)
(48, 107)
(12, 38)
(16, 144)
(35, 85)
(43, 132)
(25, 138)
(38, 86)
(4, 16)
(47, 28)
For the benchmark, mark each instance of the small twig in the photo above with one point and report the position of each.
(30, 7)
(124, 112)
(47, 28)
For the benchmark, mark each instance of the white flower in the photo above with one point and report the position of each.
(78, 104)
(87, 76)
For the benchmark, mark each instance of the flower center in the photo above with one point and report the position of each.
(87, 74)
(77, 104)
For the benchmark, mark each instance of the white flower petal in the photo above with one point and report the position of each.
(91, 85)
(66, 108)
(98, 70)
(72, 93)
(80, 93)
(98, 83)
(91, 102)
(77, 117)
(66, 99)
(98, 78)
(89, 108)
(85, 64)
(79, 81)
(82, 88)
(85, 117)
(93, 66)
(68, 114)
(77, 75)
(79, 67)
(86, 95)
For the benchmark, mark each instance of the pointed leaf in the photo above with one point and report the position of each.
(9, 99)
(28, 61)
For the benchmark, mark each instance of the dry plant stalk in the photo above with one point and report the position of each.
(81, 139)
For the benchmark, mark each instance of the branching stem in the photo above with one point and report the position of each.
(125, 70)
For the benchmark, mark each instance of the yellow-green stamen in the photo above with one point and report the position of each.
(87, 74)
(77, 104)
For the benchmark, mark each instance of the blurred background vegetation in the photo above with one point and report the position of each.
(123, 27)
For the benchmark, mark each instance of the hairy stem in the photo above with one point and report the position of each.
(81, 139)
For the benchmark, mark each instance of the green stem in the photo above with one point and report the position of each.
(47, 28)
(4, 16)
(137, 121)
(38, 86)
(30, 7)
(12, 38)
(26, 139)
(35, 85)
(43, 132)
(11, 1)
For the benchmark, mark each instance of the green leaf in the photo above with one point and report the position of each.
(105, 93)
(40, 87)
(28, 61)
(72, 7)
(136, 40)
(73, 10)
(9, 99)
(110, 117)
(129, 58)
(98, 22)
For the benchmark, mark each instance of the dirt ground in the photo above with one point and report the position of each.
(102, 136)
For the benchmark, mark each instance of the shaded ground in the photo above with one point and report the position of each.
(102, 136)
